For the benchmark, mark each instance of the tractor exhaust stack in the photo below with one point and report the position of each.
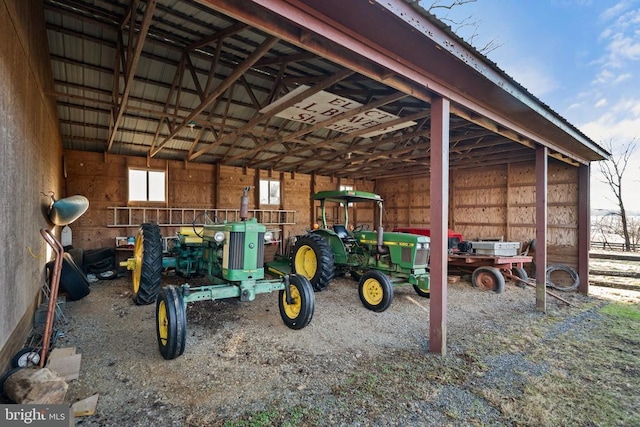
(244, 204)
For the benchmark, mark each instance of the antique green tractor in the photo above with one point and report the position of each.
(378, 260)
(231, 255)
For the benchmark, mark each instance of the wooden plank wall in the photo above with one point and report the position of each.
(406, 202)
(492, 203)
(103, 180)
(30, 163)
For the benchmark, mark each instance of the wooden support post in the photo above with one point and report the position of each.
(584, 227)
(256, 188)
(541, 227)
(282, 192)
(409, 200)
(508, 205)
(216, 187)
(439, 202)
(312, 208)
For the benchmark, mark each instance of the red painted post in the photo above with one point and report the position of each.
(584, 227)
(541, 227)
(439, 207)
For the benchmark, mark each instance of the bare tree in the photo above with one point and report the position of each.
(607, 225)
(465, 26)
(612, 171)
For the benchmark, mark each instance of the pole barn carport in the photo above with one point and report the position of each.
(213, 83)
(413, 54)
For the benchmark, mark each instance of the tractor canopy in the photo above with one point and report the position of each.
(346, 196)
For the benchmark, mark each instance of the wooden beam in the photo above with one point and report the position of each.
(306, 130)
(328, 81)
(218, 35)
(364, 149)
(346, 136)
(131, 65)
(268, 43)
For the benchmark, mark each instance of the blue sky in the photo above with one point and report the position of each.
(580, 57)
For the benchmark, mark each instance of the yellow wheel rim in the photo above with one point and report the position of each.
(163, 323)
(372, 291)
(138, 253)
(306, 262)
(292, 310)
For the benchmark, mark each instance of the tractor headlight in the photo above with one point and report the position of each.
(219, 236)
(268, 236)
(419, 246)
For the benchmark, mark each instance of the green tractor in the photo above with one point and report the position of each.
(231, 255)
(378, 260)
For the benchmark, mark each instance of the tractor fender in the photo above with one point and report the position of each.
(337, 247)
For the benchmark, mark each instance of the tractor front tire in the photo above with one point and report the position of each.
(488, 279)
(147, 274)
(171, 322)
(313, 259)
(421, 293)
(298, 314)
(375, 290)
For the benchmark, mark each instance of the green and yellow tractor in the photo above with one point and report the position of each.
(231, 255)
(378, 260)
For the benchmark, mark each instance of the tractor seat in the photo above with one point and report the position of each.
(341, 231)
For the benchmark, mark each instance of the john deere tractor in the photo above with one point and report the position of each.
(231, 255)
(378, 260)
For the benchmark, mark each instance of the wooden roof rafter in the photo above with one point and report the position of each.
(267, 44)
(130, 62)
(395, 96)
(259, 117)
(361, 147)
(355, 134)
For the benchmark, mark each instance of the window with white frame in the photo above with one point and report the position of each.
(269, 192)
(347, 188)
(147, 185)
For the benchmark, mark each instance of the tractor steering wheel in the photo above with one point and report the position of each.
(360, 227)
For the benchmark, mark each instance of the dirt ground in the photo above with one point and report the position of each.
(240, 359)
(350, 366)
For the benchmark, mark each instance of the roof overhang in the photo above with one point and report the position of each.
(407, 42)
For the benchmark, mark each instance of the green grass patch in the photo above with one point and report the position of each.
(594, 376)
(623, 311)
(291, 417)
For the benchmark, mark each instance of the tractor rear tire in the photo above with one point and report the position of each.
(147, 275)
(375, 290)
(298, 314)
(171, 322)
(488, 279)
(73, 282)
(313, 259)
